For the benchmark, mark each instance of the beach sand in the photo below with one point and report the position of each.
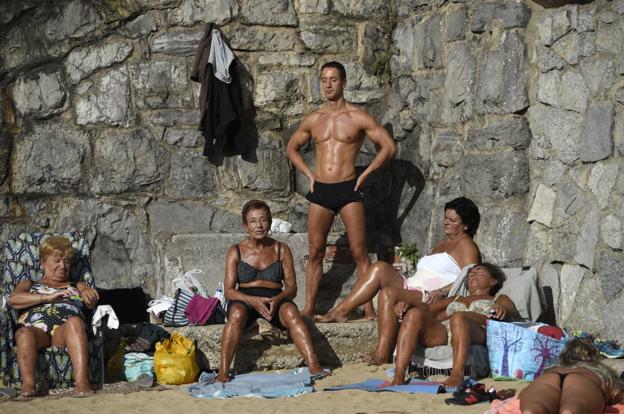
(173, 401)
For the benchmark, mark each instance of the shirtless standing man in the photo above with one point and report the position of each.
(338, 129)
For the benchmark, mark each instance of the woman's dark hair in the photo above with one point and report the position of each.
(255, 205)
(468, 211)
(336, 65)
(496, 273)
(578, 350)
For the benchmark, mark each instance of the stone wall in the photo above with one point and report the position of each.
(513, 105)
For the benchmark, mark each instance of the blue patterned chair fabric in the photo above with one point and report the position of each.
(54, 368)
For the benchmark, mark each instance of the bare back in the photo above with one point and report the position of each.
(338, 137)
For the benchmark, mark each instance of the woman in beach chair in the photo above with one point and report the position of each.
(260, 282)
(51, 314)
(578, 384)
(458, 320)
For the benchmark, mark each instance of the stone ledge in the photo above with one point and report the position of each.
(263, 349)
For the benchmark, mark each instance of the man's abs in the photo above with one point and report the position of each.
(335, 161)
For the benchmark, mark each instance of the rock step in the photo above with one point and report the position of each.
(266, 348)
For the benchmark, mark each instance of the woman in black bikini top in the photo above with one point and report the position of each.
(579, 383)
(260, 282)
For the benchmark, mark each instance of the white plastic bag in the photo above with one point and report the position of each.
(190, 283)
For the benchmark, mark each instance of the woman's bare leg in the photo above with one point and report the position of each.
(542, 396)
(29, 340)
(237, 317)
(291, 319)
(580, 395)
(465, 330)
(379, 275)
(388, 321)
(418, 326)
(73, 336)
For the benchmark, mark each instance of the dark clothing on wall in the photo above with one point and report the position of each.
(220, 103)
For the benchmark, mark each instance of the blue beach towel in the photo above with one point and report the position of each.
(376, 385)
(253, 385)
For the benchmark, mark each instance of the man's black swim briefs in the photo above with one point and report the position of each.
(334, 196)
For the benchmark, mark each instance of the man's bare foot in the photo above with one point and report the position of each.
(372, 358)
(332, 316)
(223, 378)
(84, 389)
(318, 373)
(398, 380)
(369, 312)
(29, 391)
(454, 381)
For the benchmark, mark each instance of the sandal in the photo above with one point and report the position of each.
(472, 395)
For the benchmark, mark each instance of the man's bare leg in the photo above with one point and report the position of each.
(353, 218)
(320, 220)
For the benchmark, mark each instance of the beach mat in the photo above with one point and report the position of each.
(273, 385)
(512, 406)
(377, 385)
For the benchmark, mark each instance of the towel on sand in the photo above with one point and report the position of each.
(376, 385)
(253, 385)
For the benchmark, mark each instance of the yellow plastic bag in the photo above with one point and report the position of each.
(174, 360)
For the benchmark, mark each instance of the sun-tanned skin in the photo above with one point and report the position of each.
(422, 324)
(260, 251)
(338, 129)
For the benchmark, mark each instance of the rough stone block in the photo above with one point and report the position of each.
(191, 176)
(560, 129)
(548, 60)
(568, 47)
(48, 159)
(601, 180)
(75, 20)
(286, 59)
(611, 232)
(162, 84)
(403, 41)
(503, 80)
(598, 74)
(314, 6)
(126, 162)
(11, 10)
(455, 24)
(183, 217)
(83, 62)
(190, 12)
(511, 132)
(428, 50)
(5, 150)
(176, 43)
(171, 117)
(511, 13)
(271, 174)
(142, 26)
(588, 238)
(610, 273)
(184, 137)
(105, 101)
(502, 238)
(328, 36)
(507, 174)
(567, 91)
(543, 205)
(553, 25)
(460, 79)
(335, 344)
(596, 141)
(40, 97)
(262, 38)
(571, 277)
(277, 86)
(268, 12)
(360, 9)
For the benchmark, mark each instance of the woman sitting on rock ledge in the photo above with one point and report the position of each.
(255, 270)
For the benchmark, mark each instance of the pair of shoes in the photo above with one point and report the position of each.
(472, 395)
(609, 349)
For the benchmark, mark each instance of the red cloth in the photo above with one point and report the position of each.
(552, 331)
(200, 308)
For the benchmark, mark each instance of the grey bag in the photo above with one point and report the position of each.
(174, 316)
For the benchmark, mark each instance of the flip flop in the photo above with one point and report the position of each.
(472, 395)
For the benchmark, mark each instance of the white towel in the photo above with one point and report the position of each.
(100, 312)
(158, 306)
(220, 57)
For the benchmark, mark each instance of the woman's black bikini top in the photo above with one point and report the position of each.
(271, 273)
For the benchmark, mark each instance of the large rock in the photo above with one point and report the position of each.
(41, 96)
(511, 13)
(162, 84)
(543, 205)
(610, 273)
(598, 74)
(5, 150)
(601, 180)
(191, 176)
(187, 217)
(107, 100)
(507, 174)
(571, 277)
(126, 162)
(548, 60)
(455, 24)
(560, 129)
(176, 43)
(10, 10)
(507, 132)
(588, 238)
(258, 38)
(142, 26)
(460, 79)
(360, 9)
(553, 25)
(328, 36)
(190, 12)
(172, 117)
(286, 59)
(184, 137)
(271, 173)
(49, 160)
(75, 20)
(83, 62)
(502, 237)
(314, 6)
(403, 42)
(503, 79)
(269, 12)
(596, 141)
(568, 47)
(428, 51)
(275, 87)
(611, 231)
(567, 91)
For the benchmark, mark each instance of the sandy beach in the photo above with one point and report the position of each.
(173, 400)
